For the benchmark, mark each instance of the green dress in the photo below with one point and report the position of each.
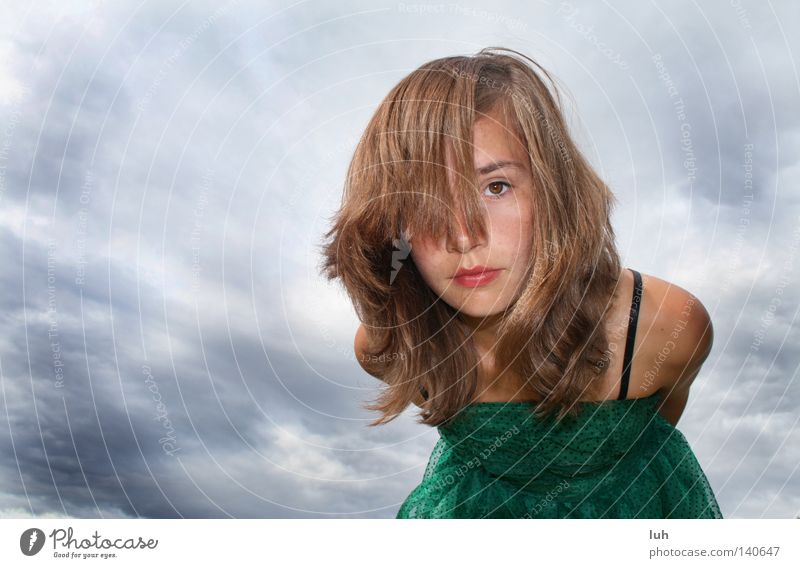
(616, 459)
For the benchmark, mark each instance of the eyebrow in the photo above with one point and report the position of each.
(489, 168)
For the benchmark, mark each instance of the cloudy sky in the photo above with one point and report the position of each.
(167, 171)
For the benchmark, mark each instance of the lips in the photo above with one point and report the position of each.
(474, 271)
(475, 277)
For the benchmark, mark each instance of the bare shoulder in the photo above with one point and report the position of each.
(679, 332)
(360, 342)
(361, 346)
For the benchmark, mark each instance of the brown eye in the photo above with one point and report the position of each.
(495, 189)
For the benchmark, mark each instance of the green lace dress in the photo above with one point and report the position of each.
(616, 459)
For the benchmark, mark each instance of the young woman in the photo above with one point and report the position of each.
(475, 243)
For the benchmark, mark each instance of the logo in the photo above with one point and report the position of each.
(31, 541)
(403, 245)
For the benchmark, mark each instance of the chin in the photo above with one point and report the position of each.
(479, 309)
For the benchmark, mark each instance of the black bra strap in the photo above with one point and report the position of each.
(632, 321)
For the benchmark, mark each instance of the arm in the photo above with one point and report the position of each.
(689, 341)
(673, 403)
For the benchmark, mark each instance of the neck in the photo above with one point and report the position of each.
(483, 329)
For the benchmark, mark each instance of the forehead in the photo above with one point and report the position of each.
(496, 140)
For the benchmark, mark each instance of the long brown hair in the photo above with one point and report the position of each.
(397, 186)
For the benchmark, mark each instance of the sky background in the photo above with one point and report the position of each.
(167, 170)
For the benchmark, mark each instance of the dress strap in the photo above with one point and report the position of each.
(632, 321)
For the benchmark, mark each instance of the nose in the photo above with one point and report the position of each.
(464, 241)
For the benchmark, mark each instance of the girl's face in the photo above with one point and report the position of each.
(507, 191)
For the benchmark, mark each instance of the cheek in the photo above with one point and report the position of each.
(511, 231)
(425, 257)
